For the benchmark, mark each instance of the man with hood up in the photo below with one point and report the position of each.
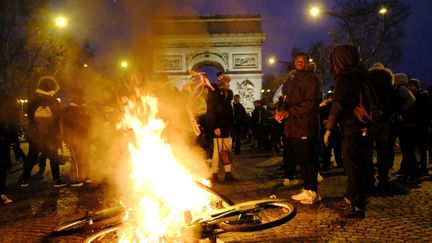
(349, 72)
(44, 129)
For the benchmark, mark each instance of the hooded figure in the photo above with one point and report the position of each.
(44, 129)
(349, 73)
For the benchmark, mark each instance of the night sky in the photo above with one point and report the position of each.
(286, 24)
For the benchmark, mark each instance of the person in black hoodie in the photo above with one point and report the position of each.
(44, 129)
(349, 72)
(220, 120)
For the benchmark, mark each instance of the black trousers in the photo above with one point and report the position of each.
(50, 153)
(407, 142)
(336, 146)
(379, 134)
(355, 148)
(237, 137)
(4, 161)
(302, 151)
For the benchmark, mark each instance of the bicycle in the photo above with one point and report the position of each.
(114, 216)
(225, 217)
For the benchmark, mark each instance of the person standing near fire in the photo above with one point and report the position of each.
(300, 110)
(220, 120)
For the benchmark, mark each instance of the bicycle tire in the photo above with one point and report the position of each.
(98, 236)
(271, 213)
(100, 219)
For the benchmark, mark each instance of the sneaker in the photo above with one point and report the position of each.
(59, 183)
(301, 196)
(77, 184)
(229, 177)
(320, 178)
(290, 182)
(4, 199)
(24, 183)
(312, 197)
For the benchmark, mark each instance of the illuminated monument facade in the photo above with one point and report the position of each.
(231, 44)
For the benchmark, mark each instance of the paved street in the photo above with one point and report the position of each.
(402, 214)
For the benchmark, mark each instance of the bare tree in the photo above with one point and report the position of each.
(376, 35)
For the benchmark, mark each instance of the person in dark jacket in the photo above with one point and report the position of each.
(44, 132)
(75, 121)
(405, 127)
(301, 113)
(379, 132)
(239, 119)
(349, 72)
(335, 144)
(6, 127)
(220, 121)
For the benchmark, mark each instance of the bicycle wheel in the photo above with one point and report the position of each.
(100, 219)
(258, 215)
(106, 235)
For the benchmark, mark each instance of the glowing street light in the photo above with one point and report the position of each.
(124, 64)
(61, 22)
(272, 60)
(383, 11)
(314, 11)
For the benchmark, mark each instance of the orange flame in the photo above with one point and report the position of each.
(163, 189)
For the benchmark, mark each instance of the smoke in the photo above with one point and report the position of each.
(122, 29)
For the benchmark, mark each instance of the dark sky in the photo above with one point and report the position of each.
(287, 25)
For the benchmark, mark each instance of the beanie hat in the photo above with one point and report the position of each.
(47, 85)
(222, 78)
(400, 78)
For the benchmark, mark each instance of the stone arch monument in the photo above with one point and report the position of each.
(231, 44)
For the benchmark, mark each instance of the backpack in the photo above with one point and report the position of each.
(369, 108)
(43, 115)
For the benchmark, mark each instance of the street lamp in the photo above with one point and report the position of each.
(383, 11)
(60, 21)
(124, 64)
(274, 60)
(314, 11)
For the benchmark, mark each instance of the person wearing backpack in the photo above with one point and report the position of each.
(379, 131)
(349, 73)
(43, 112)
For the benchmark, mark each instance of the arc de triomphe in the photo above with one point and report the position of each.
(231, 44)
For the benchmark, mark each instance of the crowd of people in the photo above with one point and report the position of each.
(302, 126)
